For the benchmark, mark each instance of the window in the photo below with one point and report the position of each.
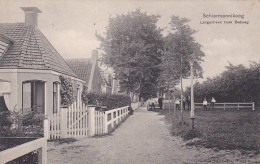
(55, 97)
(33, 95)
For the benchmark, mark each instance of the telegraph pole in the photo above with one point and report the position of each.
(192, 117)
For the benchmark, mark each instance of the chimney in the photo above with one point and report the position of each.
(94, 55)
(31, 14)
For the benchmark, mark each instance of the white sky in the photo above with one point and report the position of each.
(70, 25)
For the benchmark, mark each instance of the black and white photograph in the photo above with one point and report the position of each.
(129, 82)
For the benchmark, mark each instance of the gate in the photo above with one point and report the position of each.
(71, 122)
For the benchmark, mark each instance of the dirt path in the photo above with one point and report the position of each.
(142, 138)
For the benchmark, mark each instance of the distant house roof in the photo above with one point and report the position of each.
(30, 50)
(82, 67)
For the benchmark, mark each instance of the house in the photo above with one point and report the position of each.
(89, 71)
(107, 82)
(30, 67)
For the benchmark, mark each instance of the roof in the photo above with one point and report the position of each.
(31, 50)
(82, 67)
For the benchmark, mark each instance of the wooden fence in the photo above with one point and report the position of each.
(225, 106)
(82, 121)
(106, 121)
(39, 145)
(69, 122)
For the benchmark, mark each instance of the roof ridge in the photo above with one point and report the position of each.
(57, 53)
(41, 49)
(40, 34)
(22, 53)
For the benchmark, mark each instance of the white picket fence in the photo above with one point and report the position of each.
(69, 122)
(106, 121)
(82, 121)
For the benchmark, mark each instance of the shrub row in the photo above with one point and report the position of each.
(16, 123)
(111, 101)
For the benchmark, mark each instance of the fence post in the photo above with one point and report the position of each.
(42, 154)
(253, 105)
(91, 121)
(63, 121)
(46, 127)
(105, 123)
(43, 151)
(224, 106)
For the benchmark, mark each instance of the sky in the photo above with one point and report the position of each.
(70, 25)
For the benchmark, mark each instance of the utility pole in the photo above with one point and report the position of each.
(192, 117)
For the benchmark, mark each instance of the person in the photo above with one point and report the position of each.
(188, 102)
(148, 104)
(160, 101)
(177, 103)
(212, 103)
(130, 110)
(98, 105)
(183, 102)
(205, 103)
(153, 104)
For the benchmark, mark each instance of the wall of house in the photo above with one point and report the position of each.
(97, 81)
(106, 89)
(17, 76)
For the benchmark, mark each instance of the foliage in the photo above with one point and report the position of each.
(5, 123)
(131, 45)
(19, 124)
(84, 94)
(236, 84)
(179, 49)
(148, 91)
(111, 101)
(67, 91)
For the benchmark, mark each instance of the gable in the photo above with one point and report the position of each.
(31, 50)
(4, 44)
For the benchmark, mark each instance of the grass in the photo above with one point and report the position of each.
(230, 129)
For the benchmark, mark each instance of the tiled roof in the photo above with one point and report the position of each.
(82, 67)
(30, 49)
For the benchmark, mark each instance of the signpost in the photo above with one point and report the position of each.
(192, 97)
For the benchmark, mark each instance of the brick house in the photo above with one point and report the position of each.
(89, 71)
(30, 67)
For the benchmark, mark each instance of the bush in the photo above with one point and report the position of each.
(18, 124)
(236, 84)
(67, 91)
(111, 101)
(5, 123)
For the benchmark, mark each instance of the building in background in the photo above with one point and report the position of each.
(89, 71)
(30, 67)
(107, 82)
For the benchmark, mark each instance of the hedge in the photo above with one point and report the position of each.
(111, 101)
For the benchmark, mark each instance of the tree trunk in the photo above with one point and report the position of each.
(181, 94)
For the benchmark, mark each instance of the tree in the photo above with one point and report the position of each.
(131, 47)
(235, 84)
(179, 49)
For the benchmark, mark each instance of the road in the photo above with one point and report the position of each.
(143, 138)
